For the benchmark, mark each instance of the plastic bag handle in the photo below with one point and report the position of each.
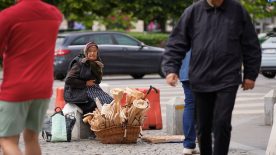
(151, 87)
(58, 110)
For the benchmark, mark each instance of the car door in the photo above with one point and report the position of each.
(109, 52)
(135, 57)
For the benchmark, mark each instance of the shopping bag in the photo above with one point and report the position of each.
(70, 122)
(58, 128)
(59, 133)
(46, 129)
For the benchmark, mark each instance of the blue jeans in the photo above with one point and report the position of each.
(188, 117)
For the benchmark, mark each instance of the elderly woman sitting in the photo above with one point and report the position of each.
(83, 79)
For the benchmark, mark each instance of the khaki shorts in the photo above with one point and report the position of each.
(17, 116)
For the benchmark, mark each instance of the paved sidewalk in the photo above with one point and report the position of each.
(94, 147)
(249, 137)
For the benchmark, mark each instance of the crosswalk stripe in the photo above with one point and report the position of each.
(248, 98)
(249, 94)
(246, 102)
(238, 112)
(255, 105)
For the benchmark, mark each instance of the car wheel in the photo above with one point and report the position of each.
(59, 76)
(137, 76)
(269, 75)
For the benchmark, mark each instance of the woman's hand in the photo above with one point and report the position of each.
(90, 83)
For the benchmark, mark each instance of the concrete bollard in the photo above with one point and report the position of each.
(269, 101)
(174, 112)
(271, 147)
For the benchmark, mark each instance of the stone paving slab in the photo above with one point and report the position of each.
(94, 147)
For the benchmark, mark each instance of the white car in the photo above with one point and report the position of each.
(268, 65)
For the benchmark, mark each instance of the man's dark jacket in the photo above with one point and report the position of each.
(222, 39)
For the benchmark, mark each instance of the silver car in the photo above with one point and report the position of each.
(268, 65)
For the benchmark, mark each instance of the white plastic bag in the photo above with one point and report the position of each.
(70, 108)
(58, 130)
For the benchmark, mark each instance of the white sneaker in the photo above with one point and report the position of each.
(187, 151)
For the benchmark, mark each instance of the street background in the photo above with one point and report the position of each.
(154, 20)
(249, 135)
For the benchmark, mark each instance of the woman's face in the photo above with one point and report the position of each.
(92, 53)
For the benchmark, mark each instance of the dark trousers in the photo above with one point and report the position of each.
(213, 114)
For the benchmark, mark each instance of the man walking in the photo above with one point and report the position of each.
(222, 38)
(27, 41)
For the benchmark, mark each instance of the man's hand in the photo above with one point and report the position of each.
(248, 84)
(172, 79)
(90, 83)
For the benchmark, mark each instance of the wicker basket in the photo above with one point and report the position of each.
(118, 134)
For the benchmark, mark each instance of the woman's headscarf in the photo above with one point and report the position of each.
(95, 66)
(88, 45)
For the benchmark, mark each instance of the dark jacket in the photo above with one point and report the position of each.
(83, 71)
(221, 39)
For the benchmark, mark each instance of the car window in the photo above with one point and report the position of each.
(59, 42)
(124, 40)
(101, 38)
(270, 40)
(80, 41)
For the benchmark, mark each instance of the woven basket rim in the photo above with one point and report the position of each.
(113, 127)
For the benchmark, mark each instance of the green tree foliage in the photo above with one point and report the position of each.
(75, 10)
(118, 20)
(259, 9)
(158, 10)
(86, 11)
(147, 10)
(5, 3)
